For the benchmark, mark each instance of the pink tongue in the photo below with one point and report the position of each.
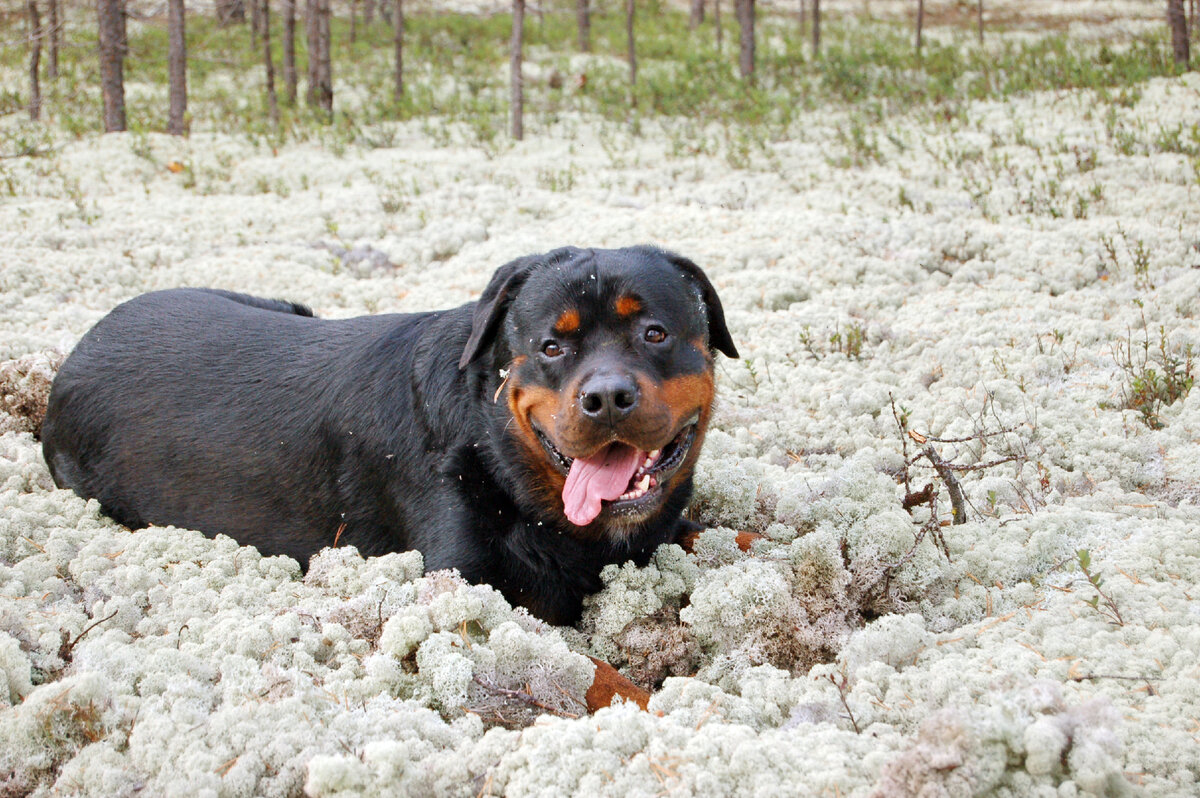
(604, 475)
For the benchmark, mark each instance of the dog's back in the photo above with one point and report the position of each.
(186, 405)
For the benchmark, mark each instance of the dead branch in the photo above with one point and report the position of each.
(522, 696)
(944, 471)
(68, 645)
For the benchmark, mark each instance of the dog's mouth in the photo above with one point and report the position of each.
(619, 478)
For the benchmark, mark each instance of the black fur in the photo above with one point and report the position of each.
(231, 414)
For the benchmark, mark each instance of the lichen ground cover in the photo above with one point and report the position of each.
(993, 286)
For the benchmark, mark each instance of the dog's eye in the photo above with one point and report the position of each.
(655, 334)
(551, 349)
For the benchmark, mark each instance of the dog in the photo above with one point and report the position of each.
(527, 439)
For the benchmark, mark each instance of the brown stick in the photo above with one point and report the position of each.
(176, 68)
(522, 696)
(289, 50)
(944, 471)
(398, 44)
(920, 25)
(631, 53)
(35, 55)
(269, 63)
(111, 17)
(518, 80)
(55, 40)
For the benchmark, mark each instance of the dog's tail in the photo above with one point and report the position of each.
(278, 305)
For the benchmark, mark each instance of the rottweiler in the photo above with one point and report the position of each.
(527, 439)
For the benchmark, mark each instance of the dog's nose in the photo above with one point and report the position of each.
(608, 397)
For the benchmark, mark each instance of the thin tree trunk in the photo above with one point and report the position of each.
(583, 16)
(353, 21)
(55, 38)
(802, 20)
(920, 25)
(816, 31)
(110, 16)
(289, 50)
(255, 21)
(123, 22)
(1177, 21)
(981, 21)
(312, 33)
(272, 98)
(745, 18)
(717, 22)
(326, 63)
(518, 87)
(696, 18)
(398, 40)
(369, 13)
(632, 54)
(35, 57)
(177, 67)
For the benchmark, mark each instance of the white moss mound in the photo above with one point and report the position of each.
(999, 277)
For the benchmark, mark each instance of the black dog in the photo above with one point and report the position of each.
(526, 439)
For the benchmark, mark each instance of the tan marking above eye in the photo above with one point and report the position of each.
(627, 305)
(568, 322)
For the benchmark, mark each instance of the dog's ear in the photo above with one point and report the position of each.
(718, 334)
(490, 308)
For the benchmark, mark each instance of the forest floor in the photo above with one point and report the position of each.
(1008, 286)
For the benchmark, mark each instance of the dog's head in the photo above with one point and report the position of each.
(607, 361)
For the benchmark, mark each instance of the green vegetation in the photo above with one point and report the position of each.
(457, 80)
(1101, 602)
(1155, 377)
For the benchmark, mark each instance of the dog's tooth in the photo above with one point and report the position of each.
(654, 455)
(644, 483)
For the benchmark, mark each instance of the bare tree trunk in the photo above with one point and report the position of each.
(325, 91)
(255, 21)
(369, 13)
(312, 33)
(632, 54)
(398, 39)
(696, 18)
(981, 21)
(801, 15)
(177, 67)
(583, 16)
(353, 21)
(717, 22)
(289, 50)
(920, 25)
(816, 31)
(745, 17)
(123, 32)
(35, 57)
(111, 15)
(272, 98)
(1177, 21)
(518, 87)
(55, 38)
